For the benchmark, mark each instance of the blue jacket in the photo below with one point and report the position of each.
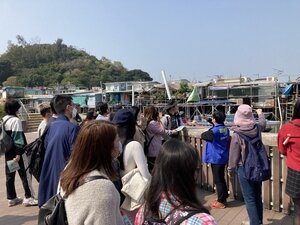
(59, 140)
(217, 144)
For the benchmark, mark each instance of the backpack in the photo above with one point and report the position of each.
(53, 212)
(169, 219)
(36, 153)
(6, 141)
(257, 163)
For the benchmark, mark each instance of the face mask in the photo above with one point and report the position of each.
(120, 148)
(74, 112)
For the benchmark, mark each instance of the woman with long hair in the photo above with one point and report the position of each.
(154, 132)
(172, 191)
(95, 148)
(139, 135)
(131, 158)
(289, 145)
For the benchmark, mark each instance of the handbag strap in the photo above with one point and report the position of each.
(85, 180)
(190, 214)
(4, 122)
(91, 178)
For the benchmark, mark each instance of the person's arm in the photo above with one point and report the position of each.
(234, 153)
(156, 127)
(280, 142)
(207, 135)
(139, 158)
(73, 135)
(261, 119)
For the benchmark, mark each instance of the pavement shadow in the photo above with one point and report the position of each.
(17, 220)
(285, 220)
(232, 203)
(205, 197)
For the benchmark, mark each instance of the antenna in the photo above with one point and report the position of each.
(278, 72)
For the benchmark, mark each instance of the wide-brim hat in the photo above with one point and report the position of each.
(170, 104)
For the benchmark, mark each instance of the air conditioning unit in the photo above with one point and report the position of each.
(244, 79)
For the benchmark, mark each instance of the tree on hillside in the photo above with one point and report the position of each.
(12, 81)
(181, 93)
(5, 70)
(35, 64)
(138, 75)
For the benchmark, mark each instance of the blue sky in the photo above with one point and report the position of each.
(191, 39)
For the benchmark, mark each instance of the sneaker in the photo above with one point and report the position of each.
(246, 222)
(15, 201)
(218, 205)
(30, 202)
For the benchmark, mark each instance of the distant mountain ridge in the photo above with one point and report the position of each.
(25, 64)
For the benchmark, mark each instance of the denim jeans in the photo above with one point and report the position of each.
(252, 197)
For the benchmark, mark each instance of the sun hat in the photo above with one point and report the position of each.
(244, 116)
(170, 104)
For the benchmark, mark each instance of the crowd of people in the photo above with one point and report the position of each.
(141, 186)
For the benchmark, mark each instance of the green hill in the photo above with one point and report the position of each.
(30, 65)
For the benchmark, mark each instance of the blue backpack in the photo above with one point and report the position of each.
(257, 163)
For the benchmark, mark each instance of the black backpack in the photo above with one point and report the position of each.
(6, 141)
(36, 153)
(257, 163)
(53, 212)
(169, 220)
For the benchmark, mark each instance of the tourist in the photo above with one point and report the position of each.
(171, 120)
(132, 155)
(90, 116)
(54, 114)
(103, 111)
(77, 118)
(59, 142)
(154, 133)
(95, 202)
(13, 126)
(45, 111)
(139, 135)
(245, 123)
(216, 153)
(172, 191)
(173, 124)
(289, 145)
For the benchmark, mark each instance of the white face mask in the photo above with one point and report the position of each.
(74, 112)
